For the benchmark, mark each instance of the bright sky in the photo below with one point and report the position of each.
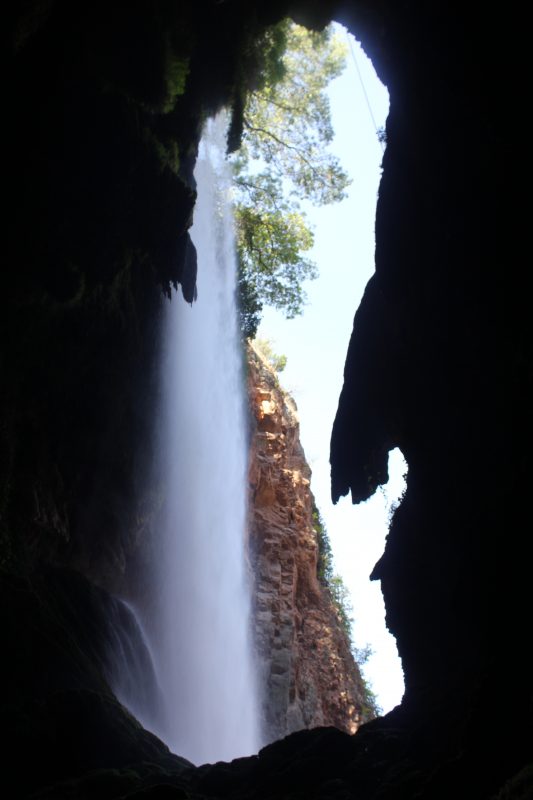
(315, 345)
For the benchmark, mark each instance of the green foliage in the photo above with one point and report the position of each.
(167, 152)
(265, 347)
(324, 565)
(270, 243)
(287, 122)
(263, 64)
(249, 305)
(371, 708)
(328, 578)
(177, 70)
(285, 129)
(362, 654)
(343, 606)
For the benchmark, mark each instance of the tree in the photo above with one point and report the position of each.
(266, 348)
(283, 159)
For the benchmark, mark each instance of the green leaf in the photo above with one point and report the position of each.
(284, 159)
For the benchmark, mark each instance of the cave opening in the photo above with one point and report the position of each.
(184, 642)
(314, 343)
(314, 346)
(104, 107)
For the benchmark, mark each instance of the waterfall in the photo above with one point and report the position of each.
(129, 664)
(199, 626)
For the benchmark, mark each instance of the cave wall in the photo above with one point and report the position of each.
(107, 104)
(104, 108)
(439, 364)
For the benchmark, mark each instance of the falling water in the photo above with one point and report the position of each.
(199, 628)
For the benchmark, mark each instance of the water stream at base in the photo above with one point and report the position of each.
(199, 625)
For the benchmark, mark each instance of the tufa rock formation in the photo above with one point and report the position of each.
(307, 669)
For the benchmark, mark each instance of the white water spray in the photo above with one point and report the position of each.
(200, 629)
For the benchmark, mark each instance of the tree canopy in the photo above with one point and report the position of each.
(283, 160)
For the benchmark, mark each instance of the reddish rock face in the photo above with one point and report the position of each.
(308, 674)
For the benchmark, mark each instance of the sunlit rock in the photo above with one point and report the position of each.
(309, 676)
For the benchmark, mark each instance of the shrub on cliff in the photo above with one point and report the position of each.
(340, 597)
(265, 347)
(324, 566)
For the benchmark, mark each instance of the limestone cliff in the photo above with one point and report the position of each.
(309, 677)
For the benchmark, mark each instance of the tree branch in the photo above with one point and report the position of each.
(271, 135)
